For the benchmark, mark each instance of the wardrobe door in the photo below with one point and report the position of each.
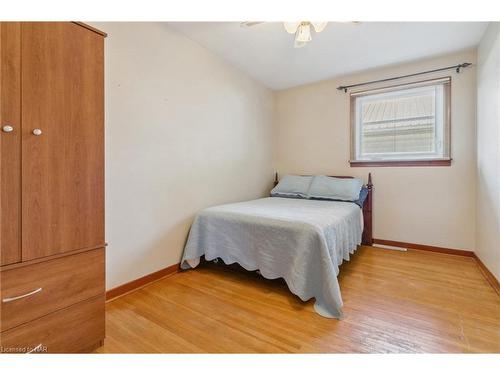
(62, 138)
(10, 142)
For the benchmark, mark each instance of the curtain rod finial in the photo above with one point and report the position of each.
(463, 65)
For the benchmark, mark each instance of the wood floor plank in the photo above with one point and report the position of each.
(394, 302)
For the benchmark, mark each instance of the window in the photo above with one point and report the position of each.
(403, 125)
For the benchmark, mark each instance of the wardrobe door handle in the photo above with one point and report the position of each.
(7, 129)
(10, 299)
(37, 131)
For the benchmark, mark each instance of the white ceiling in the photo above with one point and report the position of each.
(266, 52)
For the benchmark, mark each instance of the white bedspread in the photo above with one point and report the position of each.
(302, 241)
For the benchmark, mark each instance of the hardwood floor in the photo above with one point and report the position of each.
(394, 302)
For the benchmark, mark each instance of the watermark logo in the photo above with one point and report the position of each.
(23, 349)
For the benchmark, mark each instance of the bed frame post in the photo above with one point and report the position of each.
(367, 214)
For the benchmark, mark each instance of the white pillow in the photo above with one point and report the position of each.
(344, 189)
(292, 186)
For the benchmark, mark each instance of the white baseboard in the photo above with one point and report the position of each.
(390, 247)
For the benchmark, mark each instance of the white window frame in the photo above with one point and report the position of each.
(441, 153)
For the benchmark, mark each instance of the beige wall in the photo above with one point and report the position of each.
(488, 150)
(426, 205)
(184, 131)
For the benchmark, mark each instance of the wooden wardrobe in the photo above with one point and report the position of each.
(52, 275)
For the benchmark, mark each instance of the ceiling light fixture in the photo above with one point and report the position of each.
(302, 31)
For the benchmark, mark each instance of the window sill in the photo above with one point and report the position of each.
(403, 163)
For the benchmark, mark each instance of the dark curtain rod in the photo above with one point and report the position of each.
(456, 67)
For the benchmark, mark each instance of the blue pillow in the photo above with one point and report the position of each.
(292, 186)
(344, 189)
(363, 194)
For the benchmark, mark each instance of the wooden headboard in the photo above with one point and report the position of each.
(367, 238)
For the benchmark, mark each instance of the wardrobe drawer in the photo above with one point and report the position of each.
(75, 329)
(32, 291)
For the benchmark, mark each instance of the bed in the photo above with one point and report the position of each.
(303, 241)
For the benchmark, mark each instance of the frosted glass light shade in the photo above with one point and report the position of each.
(291, 27)
(319, 26)
(303, 33)
(298, 44)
